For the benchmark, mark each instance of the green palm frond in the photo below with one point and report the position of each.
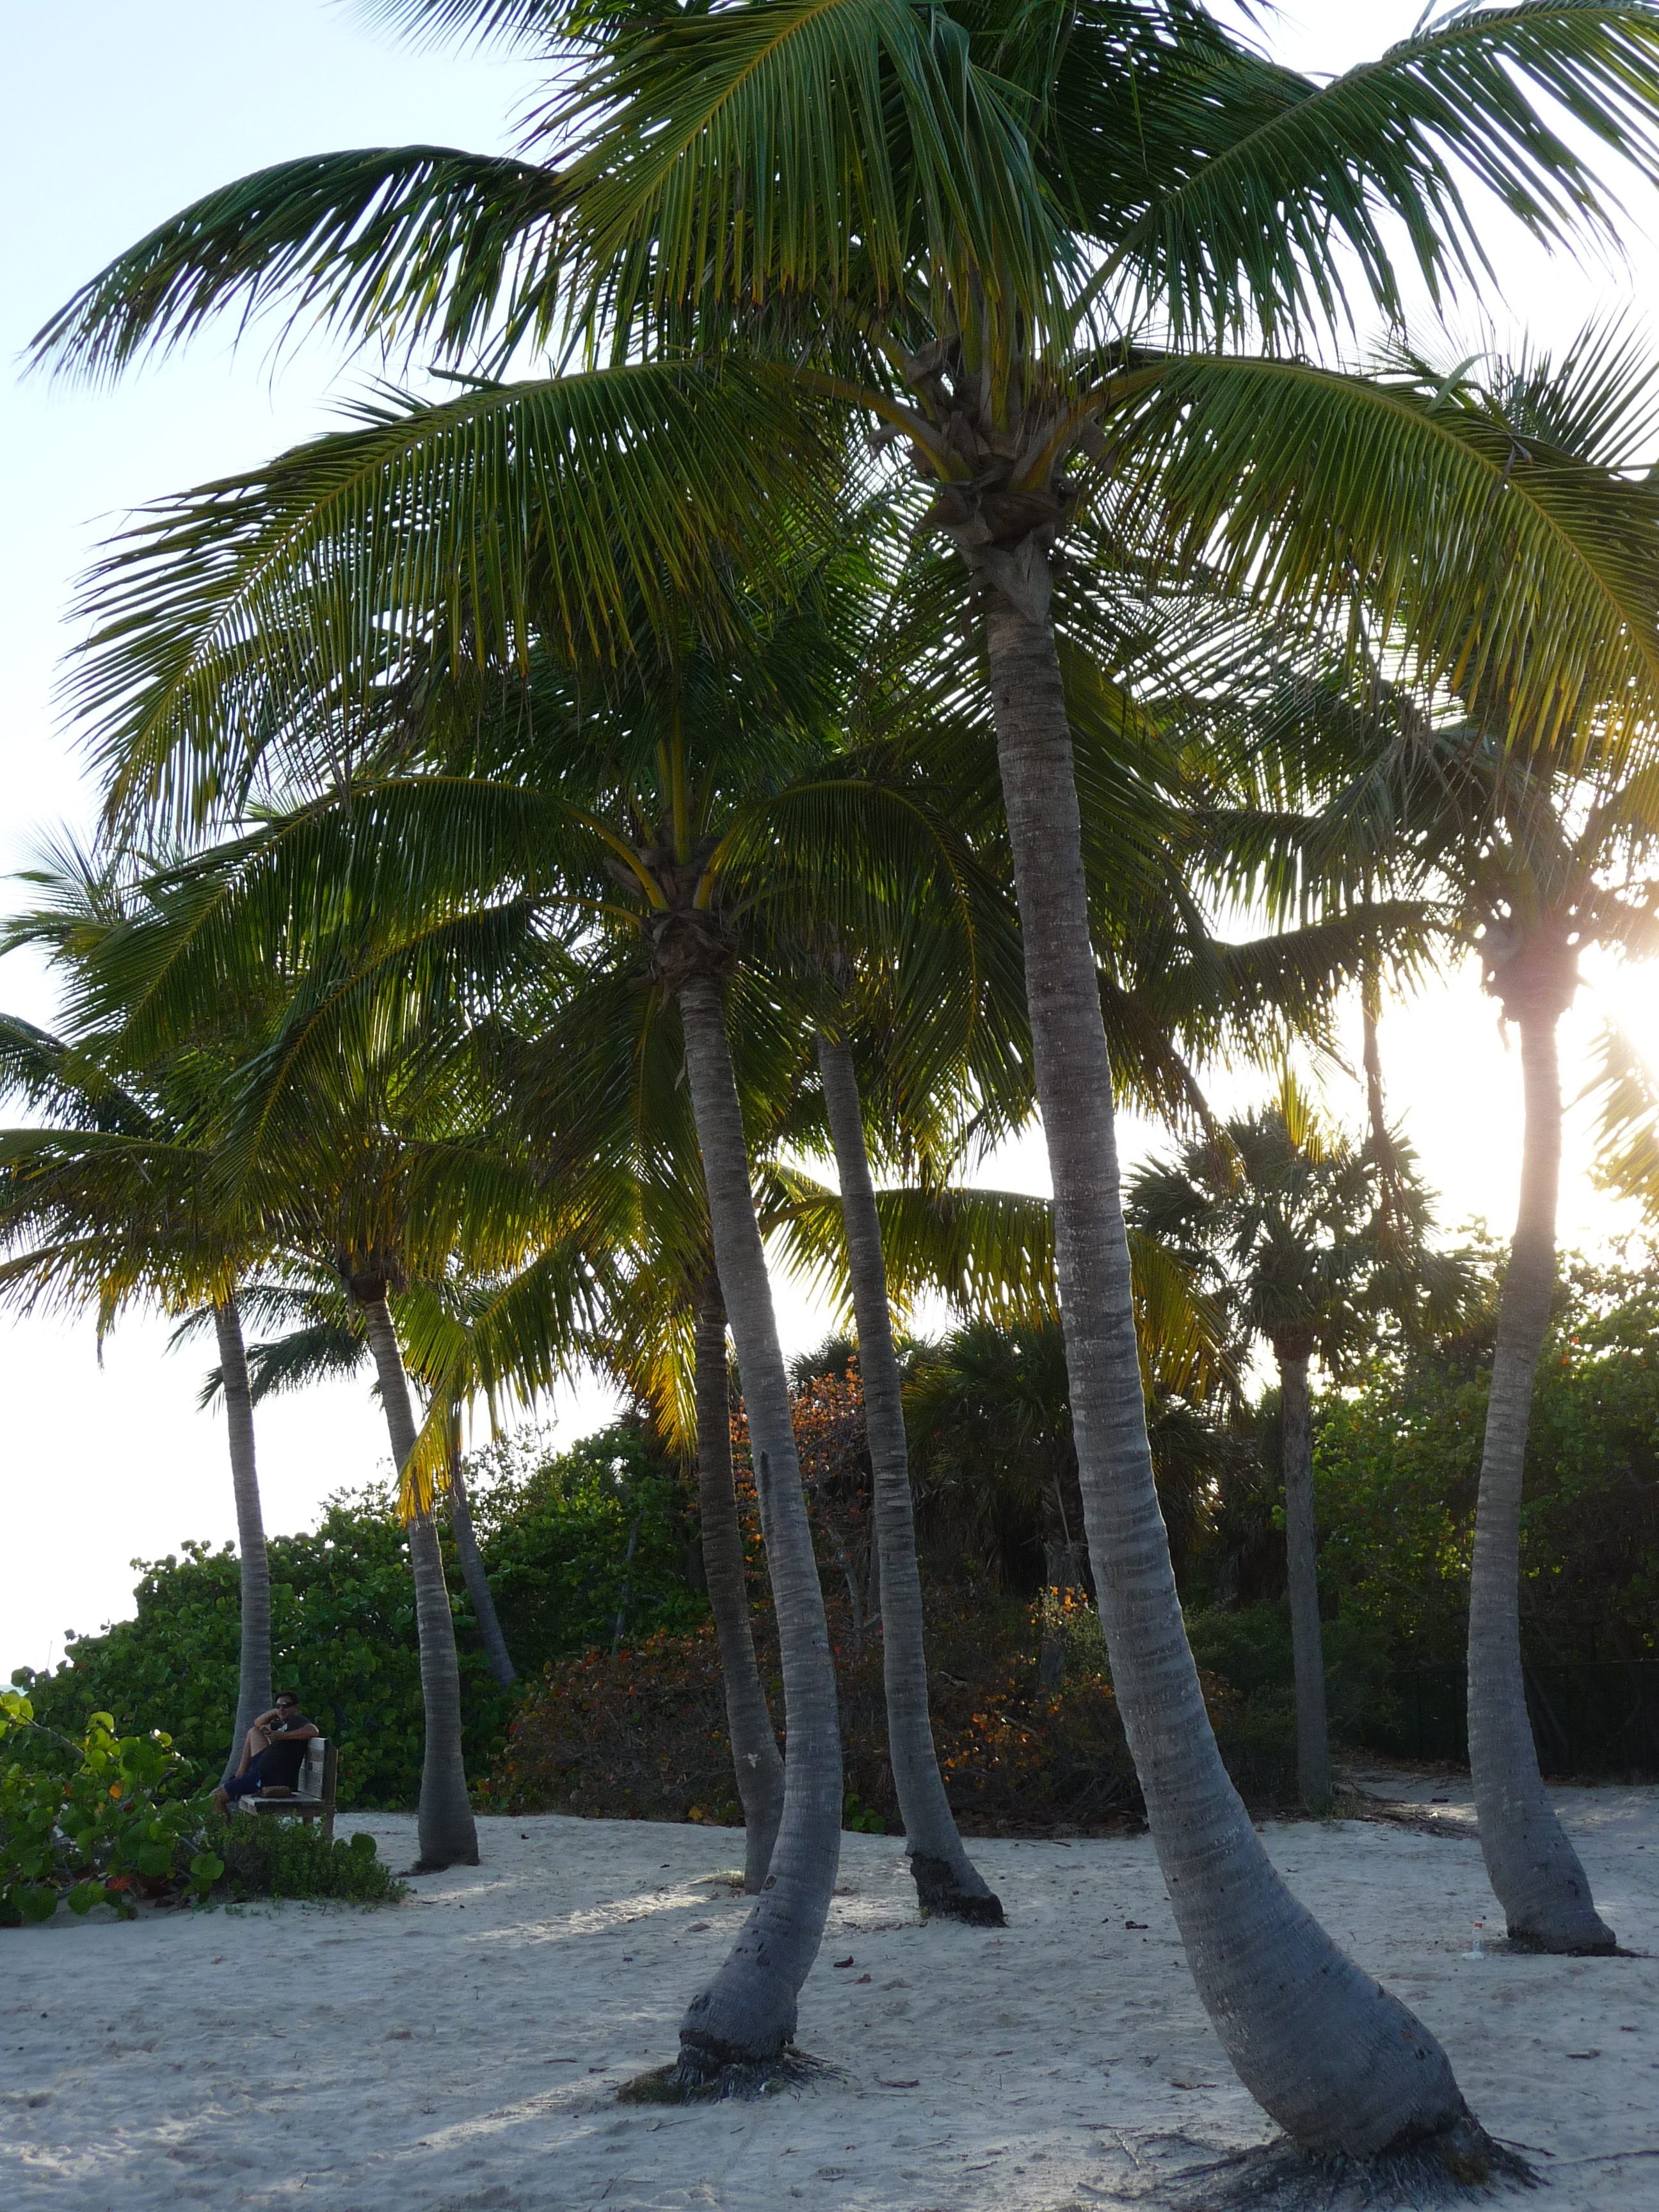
(276, 608)
(1259, 192)
(1502, 560)
(400, 244)
(795, 147)
(990, 1254)
(1625, 1095)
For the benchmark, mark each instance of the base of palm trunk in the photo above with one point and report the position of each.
(1459, 2163)
(706, 2073)
(1596, 1947)
(442, 1864)
(938, 1891)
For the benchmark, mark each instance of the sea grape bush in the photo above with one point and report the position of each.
(342, 1630)
(95, 1820)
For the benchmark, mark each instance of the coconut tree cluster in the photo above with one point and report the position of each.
(896, 556)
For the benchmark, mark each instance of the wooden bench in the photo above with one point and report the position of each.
(313, 1798)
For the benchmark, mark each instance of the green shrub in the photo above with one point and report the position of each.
(1250, 1651)
(1396, 1464)
(96, 1821)
(343, 1632)
(264, 1855)
(554, 1532)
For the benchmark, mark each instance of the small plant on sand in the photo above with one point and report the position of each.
(290, 1858)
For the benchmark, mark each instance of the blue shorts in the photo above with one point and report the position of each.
(255, 1779)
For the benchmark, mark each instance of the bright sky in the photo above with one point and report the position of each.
(118, 116)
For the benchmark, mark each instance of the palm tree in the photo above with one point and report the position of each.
(947, 234)
(1534, 828)
(756, 1757)
(106, 1203)
(945, 1877)
(110, 1198)
(599, 1062)
(1282, 1219)
(505, 1340)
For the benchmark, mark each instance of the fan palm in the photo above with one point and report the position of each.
(1283, 1221)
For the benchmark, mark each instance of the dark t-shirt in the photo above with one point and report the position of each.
(284, 1758)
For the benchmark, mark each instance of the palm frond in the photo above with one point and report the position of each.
(398, 244)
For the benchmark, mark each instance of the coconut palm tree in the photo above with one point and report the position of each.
(109, 1202)
(935, 219)
(1532, 830)
(945, 1877)
(506, 1341)
(110, 1198)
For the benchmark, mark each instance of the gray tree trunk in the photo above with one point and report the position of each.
(946, 1879)
(499, 1658)
(1339, 2063)
(747, 2014)
(253, 1673)
(1313, 1739)
(1533, 1869)
(754, 1756)
(447, 1832)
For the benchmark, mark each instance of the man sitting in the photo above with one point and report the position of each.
(273, 1754)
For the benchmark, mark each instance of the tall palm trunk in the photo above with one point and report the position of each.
(1340, 2064)
(449, 1834)
(747, 2014)
(253, 1673)
(755, 1755)
(499, 1658)
(1313, 1740)
(1533, 1869)
(945, 1877)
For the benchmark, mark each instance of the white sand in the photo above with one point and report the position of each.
(461, 2051)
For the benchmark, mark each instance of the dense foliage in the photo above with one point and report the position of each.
(117, 1820)
(588, 1545)
(555, 1533)
(1396, 1463)
(95, 1820)
(592, 1557)
(343, 1636)
(640, 1734)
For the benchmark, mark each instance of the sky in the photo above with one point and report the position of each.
(120, 115)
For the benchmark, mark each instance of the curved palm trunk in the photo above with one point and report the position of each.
(253, 1673)
(449, 1834)
(496, 1653)
(1313, 1740)
(1339, 2063)
(1533, 1869)
(945, 1877)
(747, 2014)
(755, 1755)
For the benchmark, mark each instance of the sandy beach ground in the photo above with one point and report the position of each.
(463, 2050)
